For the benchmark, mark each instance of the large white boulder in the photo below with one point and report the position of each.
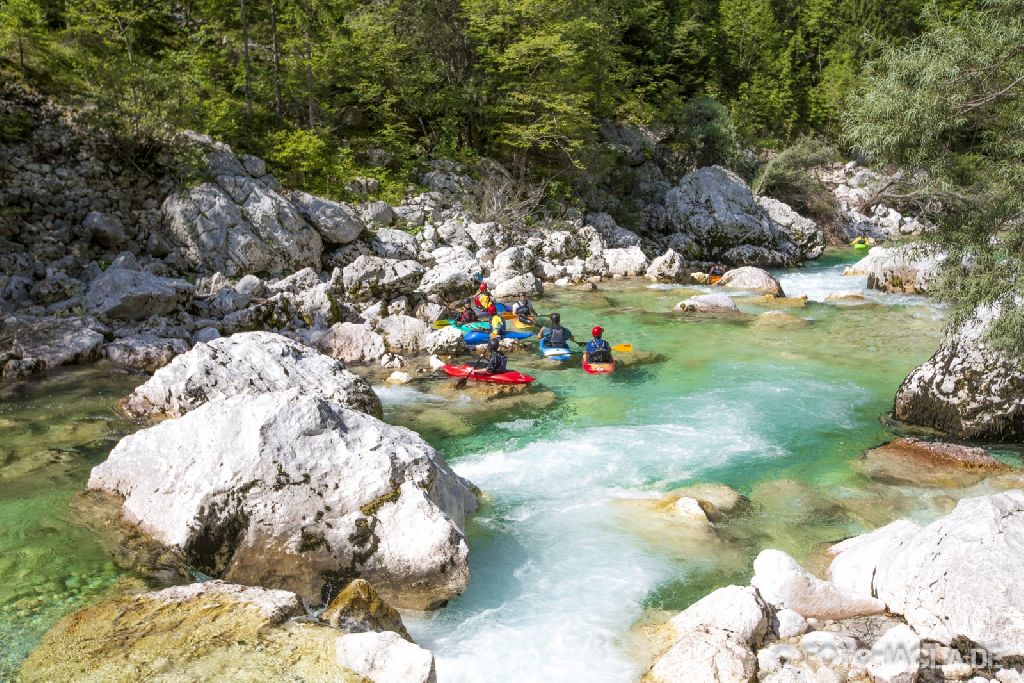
(896, 656)
(962, 575)
(715, 210)
(968, 388)
(628, 261)
(804, 233)
(785, 584)
(855, 559)
(352, 343)
(514, 261)
(738, 610)
(906, 269)
(452, 276)
(374, 277)
(337, 223)
(291, 490)
(127, 293)
(405, 333)
(669, 267)
(527, 284)
(385, 658)
(248, 363)
(238, 224)
(751, 278)
(705, 655)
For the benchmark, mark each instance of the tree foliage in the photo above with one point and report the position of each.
(950, 103)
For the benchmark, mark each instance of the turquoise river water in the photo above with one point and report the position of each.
(570, 555)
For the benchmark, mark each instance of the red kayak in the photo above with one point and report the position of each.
(481, 375)
(599, 368)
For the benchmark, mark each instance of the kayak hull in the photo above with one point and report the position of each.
(599, 368)
(557, 353)
(478, 375)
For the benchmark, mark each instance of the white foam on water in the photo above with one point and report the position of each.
(558, 576)
(817, 283)
(405, 395)
(516, 425)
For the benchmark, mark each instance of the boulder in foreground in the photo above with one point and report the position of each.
(291, 490)
(248, 363)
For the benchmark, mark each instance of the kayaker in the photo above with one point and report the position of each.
(716, 273)
(598, 350)
(524, 310)
(498, 362)
(483, 298)
(467, 315)
(497, 322)
(556, 336)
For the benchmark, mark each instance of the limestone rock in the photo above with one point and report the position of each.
(373, 277)
(51, 341)
(514, 261)
(202, 631)
(967, 388)
(784, 583)
(751, 278)
(789, 624)
(628, 261)
(896, 656)
(737, 610)
(855, 559)
(144, 351)
(716, 211)
(103, 229)
(126, 294)
(291, 490)
(803, 232)
(669, 267)
(336, 222)
(240, 225)
(527, 284)
(352, 343)
(405, 333)
(708, 303)
(929, 463)
(248, 363)
(358, 608)
(386, 658)
(907, 270)
(962, 575)
(705, 655)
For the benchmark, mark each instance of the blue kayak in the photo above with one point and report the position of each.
(481, 337)
(554, 352)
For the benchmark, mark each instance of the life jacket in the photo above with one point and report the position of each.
(497, 363)
(466, 317)
(602, 352)
(497, 325)
(558, 337)
(483, 300)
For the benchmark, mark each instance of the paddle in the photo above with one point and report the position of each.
(619, 348)
(441, 324)
(462, 380)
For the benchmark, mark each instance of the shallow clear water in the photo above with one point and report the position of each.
(565, 560)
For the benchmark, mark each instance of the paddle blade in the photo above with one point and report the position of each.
(462, 382)
(623, 348)
(441, 324)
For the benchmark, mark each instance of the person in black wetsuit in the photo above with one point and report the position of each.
(498, 362)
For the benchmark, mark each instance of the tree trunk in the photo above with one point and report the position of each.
(276, 47)
(245, 57)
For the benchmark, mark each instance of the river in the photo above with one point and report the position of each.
(568, 554)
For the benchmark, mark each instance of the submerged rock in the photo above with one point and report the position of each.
(708, 303)
(290, 490)
(248, 363)
(779, 319)
(202, 631)
(926, 463)
(967, 388)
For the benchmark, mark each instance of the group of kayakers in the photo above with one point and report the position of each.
(556, 336)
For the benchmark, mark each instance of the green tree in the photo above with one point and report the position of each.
(950, 103)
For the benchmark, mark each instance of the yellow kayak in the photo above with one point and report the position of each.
(518, 324)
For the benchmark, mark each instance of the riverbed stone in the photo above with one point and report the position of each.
(896, 656)
(705, 655)
(202, 631)
(248, 363)
(125, 293)
(358, 609)
(50, 342)
(708, 303)
(855, 559)
(352, 343)
(385, 658)
(738, 610)
(753, 279)
(929, 463)
(669, 267)
(968, 388)
(905, 269)
(291, 490)
(629, 261)
(785, 584)
(144, 351)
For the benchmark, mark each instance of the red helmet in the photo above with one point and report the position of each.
(492, 309)
(483, 286)
(597, 331)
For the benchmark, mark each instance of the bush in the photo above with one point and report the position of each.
(788, 177)
(706, 133)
